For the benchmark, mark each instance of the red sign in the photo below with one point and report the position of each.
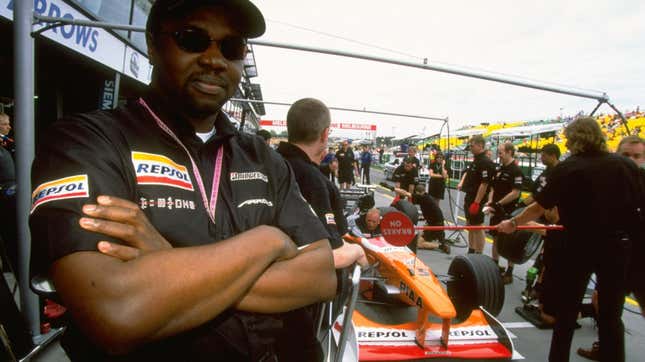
(350, 126)
(397, 228)
(274, 123)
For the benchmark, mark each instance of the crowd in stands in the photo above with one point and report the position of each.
(610, 124)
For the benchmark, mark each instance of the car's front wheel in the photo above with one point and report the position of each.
(476, 282)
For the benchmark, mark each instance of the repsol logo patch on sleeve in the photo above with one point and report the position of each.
(64, 188)
(154, 169)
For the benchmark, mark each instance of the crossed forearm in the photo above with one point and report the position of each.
(285, 285)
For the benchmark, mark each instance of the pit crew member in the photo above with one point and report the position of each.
(475, 184)
(308, 122)
(505, 192)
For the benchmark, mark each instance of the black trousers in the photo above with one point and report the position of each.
(366, 173)
(609, 259)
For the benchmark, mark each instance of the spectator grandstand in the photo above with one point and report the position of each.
(610, 124)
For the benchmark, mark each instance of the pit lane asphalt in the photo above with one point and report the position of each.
(531, 343)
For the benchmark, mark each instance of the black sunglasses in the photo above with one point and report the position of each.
(196, 40)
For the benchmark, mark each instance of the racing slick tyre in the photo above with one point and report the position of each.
(476, 281)
(408, 209)
(519, 246)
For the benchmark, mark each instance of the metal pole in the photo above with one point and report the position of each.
(595, 109)
(621, 117)
(24, 100)
(437, 68)
(343, 109)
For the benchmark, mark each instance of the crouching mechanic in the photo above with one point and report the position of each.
(308, 122)
(367, 225)
(504, 194)
(227, 251)
(431, 239)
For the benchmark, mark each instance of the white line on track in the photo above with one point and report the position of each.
(514, 325)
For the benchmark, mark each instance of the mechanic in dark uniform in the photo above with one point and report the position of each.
(632, 147)
(601, 218)
(438, 177)
(412, 156)
(308, 122)
(405, 177)
(365, 225)
(216, 225)
(550, 157)
(504, 194)
(546, 285)
(431, 239)
(474, 183)
(330, 168)
(8, 209)
(346, 165)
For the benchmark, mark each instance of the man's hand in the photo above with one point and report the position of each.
(124, 220)
(349, 254)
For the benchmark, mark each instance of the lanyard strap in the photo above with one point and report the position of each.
(208, 205)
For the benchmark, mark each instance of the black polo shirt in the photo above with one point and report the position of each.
(429, 208)
(480, 170)
(405, 178)
(436, 185)
(346, 160)
(322, 195)
(597, 194)
(540, 182)
(507, 178)
(415, 160)
(125, 153)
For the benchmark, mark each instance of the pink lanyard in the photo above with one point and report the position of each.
(209, 206)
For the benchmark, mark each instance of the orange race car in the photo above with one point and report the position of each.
(456, 321)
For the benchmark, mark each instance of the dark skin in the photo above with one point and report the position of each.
(121, 304)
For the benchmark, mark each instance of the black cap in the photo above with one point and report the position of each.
(251, 19)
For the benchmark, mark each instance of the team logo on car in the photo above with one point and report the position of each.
(154, 169)
(64, 188)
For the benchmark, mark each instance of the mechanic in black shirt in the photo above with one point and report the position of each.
(431, 239)
(598, 195)
(412, 156)
(308, 122)
(365, 225)
(474, 184)
(346, 165)
(546, 263)
(405, 177)
(215, 271)
(504, 194)
(438, 177)
(330, 169)
(550, 157)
